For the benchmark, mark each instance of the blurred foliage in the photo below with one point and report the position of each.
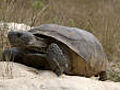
(3, 38)
(38, 4)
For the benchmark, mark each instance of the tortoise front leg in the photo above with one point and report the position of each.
(56, 59)
(12, 54)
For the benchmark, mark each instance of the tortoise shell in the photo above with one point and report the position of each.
(84, 44)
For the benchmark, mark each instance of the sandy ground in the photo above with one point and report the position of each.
(14, 76)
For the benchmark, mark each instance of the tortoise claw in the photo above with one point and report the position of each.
(58, 72)
(103, 76)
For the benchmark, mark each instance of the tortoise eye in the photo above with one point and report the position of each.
(19, 34)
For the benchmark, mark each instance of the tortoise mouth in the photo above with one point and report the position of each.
(23, 46)
(33, 50)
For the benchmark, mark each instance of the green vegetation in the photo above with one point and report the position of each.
(38, 4)
(100, 17)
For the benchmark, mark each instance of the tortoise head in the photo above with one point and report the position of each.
(20, 39)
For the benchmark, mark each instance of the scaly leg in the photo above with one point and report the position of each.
(56, 59)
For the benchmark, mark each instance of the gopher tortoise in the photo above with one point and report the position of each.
(58, 48)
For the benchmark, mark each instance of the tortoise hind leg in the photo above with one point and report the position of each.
(56, 59)
(103, 76)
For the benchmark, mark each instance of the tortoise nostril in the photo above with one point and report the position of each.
(10, 33)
